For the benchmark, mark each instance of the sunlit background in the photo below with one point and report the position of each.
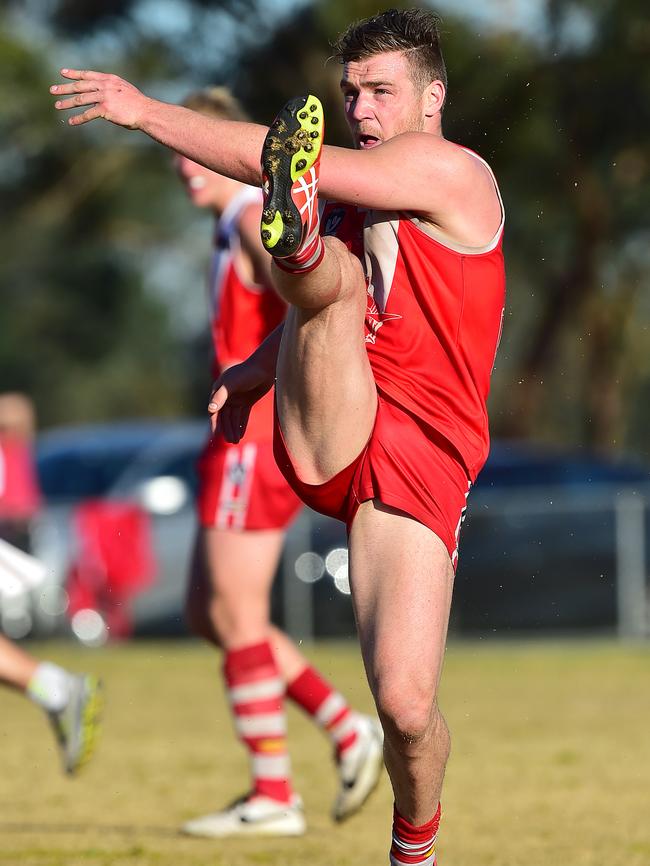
(104, 317)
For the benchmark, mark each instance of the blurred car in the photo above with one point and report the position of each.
(542, 544)
(151, 463)
(538, 550)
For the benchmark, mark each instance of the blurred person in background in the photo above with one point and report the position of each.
(244, 508)
(72, 701)
(382, 367)
(20, 496)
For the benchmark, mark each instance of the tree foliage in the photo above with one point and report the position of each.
(562, 115)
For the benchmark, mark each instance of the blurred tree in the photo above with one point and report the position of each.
(561, 114)
(74, 307)
(573, 158)
(564, 119)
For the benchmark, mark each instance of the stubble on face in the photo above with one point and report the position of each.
(402, 113)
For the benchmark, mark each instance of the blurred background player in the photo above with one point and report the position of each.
(245, 506)
(72, 701)
(20, 496)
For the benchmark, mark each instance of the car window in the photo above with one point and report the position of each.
(74, 476)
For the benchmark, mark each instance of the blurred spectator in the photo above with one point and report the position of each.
(114, 561)
(20, 496)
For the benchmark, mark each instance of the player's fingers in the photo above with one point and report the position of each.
(214, 421)
(91, 114)
(91, 98)
(75, 87)
(218, 397)
(78, 74)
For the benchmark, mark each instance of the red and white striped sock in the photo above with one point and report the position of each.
(414, 845)
(327, 707)
(306, 258)
(256, 692)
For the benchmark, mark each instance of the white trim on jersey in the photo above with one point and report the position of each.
(461, 520)
(234, 494)
(381, 251)
(462, 249)
(226, 245)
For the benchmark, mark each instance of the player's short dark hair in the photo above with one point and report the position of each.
(216, 102)
(416, 32)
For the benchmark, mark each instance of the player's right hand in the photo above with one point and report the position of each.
(109, 97)
(233, 396)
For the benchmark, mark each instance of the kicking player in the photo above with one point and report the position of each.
(245, 506)
(383, 365)
(72, 701)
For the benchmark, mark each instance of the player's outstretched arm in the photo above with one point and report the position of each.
(239, 387)
(229, 147)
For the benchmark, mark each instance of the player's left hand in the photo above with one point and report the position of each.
(109, 97)
(233, 396)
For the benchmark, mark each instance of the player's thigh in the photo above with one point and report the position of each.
(402, 580)
(325, 390)
(240, 564)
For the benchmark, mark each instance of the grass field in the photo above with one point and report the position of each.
(550, 763)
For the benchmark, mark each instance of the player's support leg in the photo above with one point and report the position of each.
(73, 702)
(402, 579)
(228, 603)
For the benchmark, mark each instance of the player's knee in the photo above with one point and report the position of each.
(353, 281)
(234, 623)
(407, 710)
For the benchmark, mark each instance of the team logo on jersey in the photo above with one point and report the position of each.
(333, 221)
(237, 474)
(374, 318)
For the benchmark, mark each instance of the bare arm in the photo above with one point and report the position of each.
(229, 147)
(418, 172)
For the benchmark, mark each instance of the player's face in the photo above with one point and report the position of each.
(381, 99)
(202, 185)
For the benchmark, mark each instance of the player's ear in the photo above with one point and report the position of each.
(434, 98)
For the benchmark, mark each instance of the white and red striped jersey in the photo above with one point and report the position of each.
(433, 320)
(242, 312)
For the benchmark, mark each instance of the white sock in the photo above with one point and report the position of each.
(50, 687)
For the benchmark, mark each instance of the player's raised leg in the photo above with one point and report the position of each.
(402, 579)
(324, 380)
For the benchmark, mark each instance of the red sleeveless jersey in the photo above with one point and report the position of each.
(433, 320)
(242, 313)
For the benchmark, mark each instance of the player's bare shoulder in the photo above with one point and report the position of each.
(463, 193)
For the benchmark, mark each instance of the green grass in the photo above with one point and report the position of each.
(550, 763)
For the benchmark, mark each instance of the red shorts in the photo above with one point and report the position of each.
(241, 487)
(404, 464)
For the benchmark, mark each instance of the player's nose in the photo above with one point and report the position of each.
(361, 108)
